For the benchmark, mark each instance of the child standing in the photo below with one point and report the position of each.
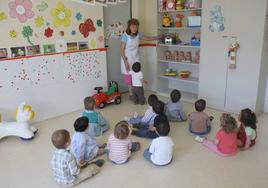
(160, 151)
(225, 142)
(83, 146)
(247, 132)
(199, 121)
(174, 108)
(137, 82)
(149, 115)
(65, 169)
(150, 132)
(120, 145)
(97, 124)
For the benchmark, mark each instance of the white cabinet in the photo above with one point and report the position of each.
(233, 89)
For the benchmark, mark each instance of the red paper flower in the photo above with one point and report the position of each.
(49, 32)
(86, 27)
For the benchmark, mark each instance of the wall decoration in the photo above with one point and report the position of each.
(3, 16)
(93, 43)
(33, 50)
(61, 33)
(13, 33)
(101, 39)
(86, 27)
(114, 30)
(18, 51)
(112, 2)
(99, 23)
(3, 53)
(61, 15)
(101, 2)
(39, 21)
(71, 46)
(48, 32)
(42, 7)
(27, 32)
(61, 45)
(78, 16)
(216, 20)
(73, 32)
(21, 9)
(83, 45)
(49, 48)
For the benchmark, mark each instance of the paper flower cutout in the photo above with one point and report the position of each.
(86, 27)
(27, 32)
(78, 16)
(13, 33)
(61, 15)
(73, 32)
(42, 7)
(49, 32)
(21, 9)
(93, 43)
(99, 23)
(3, 16)
(39, 21)
(61, 33)
(101, 39)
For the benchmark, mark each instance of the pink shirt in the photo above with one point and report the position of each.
(119, 150)
(227, 141)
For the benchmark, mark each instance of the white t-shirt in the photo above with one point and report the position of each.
(136, 78)
(162, 150)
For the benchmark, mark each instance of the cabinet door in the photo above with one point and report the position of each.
(214, 48)
(243, 82)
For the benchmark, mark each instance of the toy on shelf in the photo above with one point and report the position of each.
(176, 38)
(175, 56)
(167, 39)
(166, 20)
(232, 54)
(20, 127)
(111, 96)
(168, 55)
(185, 74)
(170, 5)
(195, 41)
(197, 57)
(194, 20)
(171, 72)
(178, 22)
(181, 56)
(192, 4)
(188, 57)
(179, 5)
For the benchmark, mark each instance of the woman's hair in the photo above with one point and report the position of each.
(89, 103)
(60, 138)
(130, 22)
(228, 123)
(121, 130)
(248, 118)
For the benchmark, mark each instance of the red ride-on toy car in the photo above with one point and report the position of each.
(111, 96)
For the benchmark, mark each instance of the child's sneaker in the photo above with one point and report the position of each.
(135, 115)
(199, 139)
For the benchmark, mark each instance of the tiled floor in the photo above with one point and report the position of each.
(27, 164)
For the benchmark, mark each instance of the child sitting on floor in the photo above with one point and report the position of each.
(83, 146)
(65, 169)
(160, 151)
(120, 145)
(225, 142)
(247, 132)
(174, 108)
(199, 121)
(149, 115)
(150, 132)
(97, 124)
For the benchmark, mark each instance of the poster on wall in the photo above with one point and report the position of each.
(71, 46)
(33, 50)
(3, 53)
(216, 20)
(18, 51)
(114, 30)
(49, 48)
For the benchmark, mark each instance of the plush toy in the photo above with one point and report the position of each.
(197, 57)
(179, 5)
(179, 18)
(181, 56)
(188, 57)
(166, 20)
(175, 56)
(170, 5)
(21, 126)
(171, 72)
(232, 54)
(195, 41)
(168, 55)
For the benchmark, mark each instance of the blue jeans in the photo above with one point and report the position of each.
(201, 133)
(136, 120)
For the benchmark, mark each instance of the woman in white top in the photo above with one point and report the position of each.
(130, 49)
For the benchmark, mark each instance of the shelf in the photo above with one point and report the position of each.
(179, 28)
(180, 63)
(177, 45)
(184, 10)
(192, 80)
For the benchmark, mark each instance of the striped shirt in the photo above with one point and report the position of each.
(64, 167)
(149, 116)
(119, 150)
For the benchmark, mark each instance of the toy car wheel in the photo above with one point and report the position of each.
(117, 100)
(102, 105)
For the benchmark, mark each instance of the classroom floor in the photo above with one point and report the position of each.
(27, 164)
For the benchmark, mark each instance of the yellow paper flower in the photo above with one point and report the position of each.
(93, 43)
(61, 15)
(39, 21)
(3, 16)
(13, 33)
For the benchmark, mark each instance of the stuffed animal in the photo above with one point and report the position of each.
(168, 55)
(181, 56)
(188, 57)
(179, 5)
(232, 54)
(166, 20)
(179, 18)
(170, 5)
(175, 56)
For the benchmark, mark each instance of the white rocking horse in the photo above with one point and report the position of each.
(20, 127)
